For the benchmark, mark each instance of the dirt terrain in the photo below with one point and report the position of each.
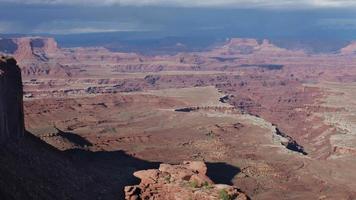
(284, 119)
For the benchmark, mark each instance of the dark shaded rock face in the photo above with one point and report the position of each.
(37, 43)
(11, 105)
(8, 46)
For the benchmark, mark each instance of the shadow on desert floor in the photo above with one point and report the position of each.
(80, 173)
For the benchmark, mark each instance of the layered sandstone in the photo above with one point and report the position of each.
(29, 48)
(178, 182)
(11, 105)
(35, 48)
(36, 56)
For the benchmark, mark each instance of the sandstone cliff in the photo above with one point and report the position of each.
(36, 56)
(11, 105)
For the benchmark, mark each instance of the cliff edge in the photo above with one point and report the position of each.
(180, 182)
(11, 104)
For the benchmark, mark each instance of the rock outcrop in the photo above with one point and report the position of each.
(29, 48)
(180, 182)
(36, 56)
(11, 104)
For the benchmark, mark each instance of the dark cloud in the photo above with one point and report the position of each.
(55, 18)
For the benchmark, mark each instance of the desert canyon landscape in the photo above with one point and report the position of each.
(243, 119)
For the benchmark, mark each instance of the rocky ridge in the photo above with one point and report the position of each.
(178, 182)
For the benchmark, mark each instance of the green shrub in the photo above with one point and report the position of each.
(223, 195)
(206, 185)
(167, 178)
(193, 184)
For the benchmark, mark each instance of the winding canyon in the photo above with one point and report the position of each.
(273, 122)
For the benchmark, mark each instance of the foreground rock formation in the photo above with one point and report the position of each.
(11, 106)
(180, 182)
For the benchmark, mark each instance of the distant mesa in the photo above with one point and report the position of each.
(247, 46)
(35, 55)
(29, 48)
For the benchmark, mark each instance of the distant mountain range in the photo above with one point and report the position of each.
(150, 43)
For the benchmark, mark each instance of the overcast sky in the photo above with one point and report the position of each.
(254, 18)
(202, 3)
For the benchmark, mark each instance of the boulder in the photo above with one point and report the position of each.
(196, 166)
(147, 176)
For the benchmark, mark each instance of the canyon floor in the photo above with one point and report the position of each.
(276, 123)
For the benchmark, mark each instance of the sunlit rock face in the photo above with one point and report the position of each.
(178, 182)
